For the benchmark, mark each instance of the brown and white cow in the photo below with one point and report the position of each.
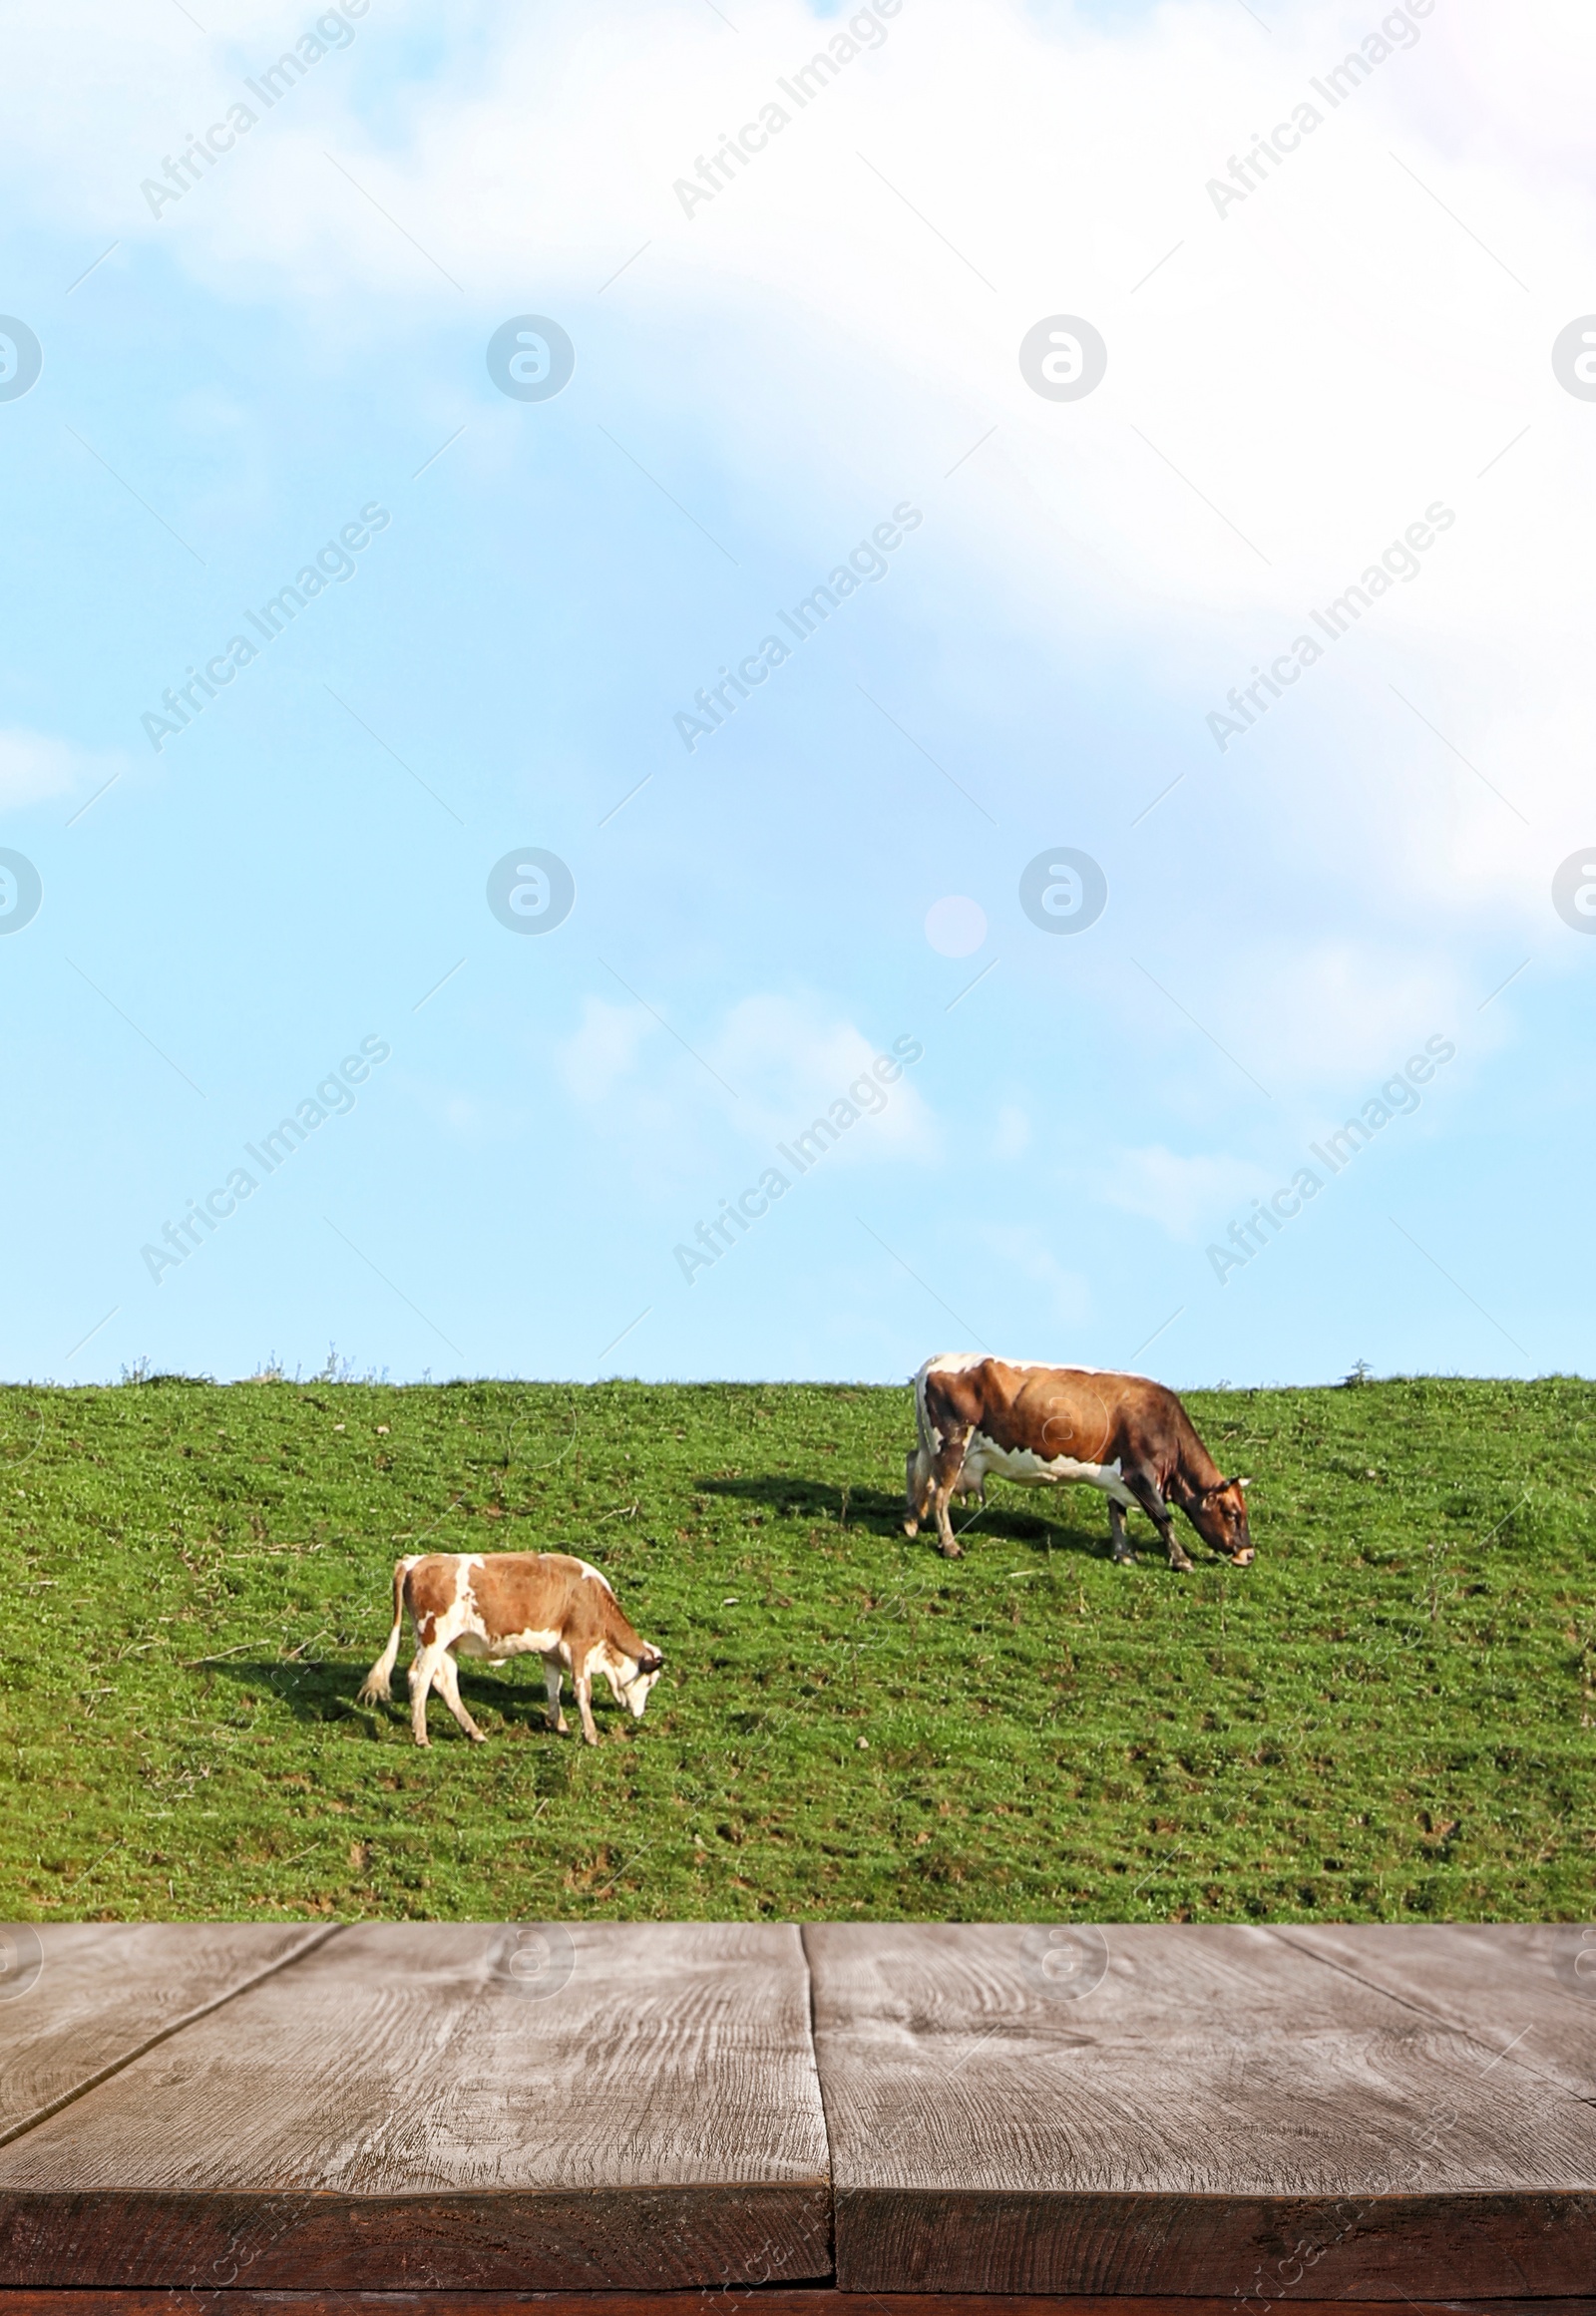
(1040, 1426)
(512, 1603)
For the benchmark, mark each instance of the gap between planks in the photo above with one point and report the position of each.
(1450, 2016)
(42, 2115)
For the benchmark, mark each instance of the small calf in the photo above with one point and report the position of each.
(512, 1603)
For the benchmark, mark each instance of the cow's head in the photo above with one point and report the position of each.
(1219, 1515)
(637, 1676)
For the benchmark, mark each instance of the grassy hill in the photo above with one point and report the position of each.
(1388, 1714)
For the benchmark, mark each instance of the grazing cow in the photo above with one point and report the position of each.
(512, 1603)
(1040, 1426)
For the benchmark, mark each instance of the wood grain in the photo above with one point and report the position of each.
(104, 1992)
(398, 2109)
(1225, 2113)
(1529, 1987)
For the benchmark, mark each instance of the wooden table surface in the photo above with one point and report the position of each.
(1221, 2098)
(1143, 2116)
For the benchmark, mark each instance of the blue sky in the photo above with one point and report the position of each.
(761, 383)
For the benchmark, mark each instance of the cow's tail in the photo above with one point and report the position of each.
(923, 1424)
(920, 1462)
(375, 1686)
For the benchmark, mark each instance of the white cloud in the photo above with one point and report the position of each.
(790, 1062)
(1181, 1194)
(1286, 392)
(1325, 1013)
(602, 1050)
(773, 1065)
(34, 765)
(1319, 364)
(1066, 1294)
(1011, 1136)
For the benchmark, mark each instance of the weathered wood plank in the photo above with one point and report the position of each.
(1224, 2113)
(443, 2105)
(811, 2300)
(83, 1997)
(817, 2300)
(1529, 1987)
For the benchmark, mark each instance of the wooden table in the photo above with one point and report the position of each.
(590, 2118)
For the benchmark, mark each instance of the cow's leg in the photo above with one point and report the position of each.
(582, 1683)
(422, 1670)
(949, 1463)
(1118, 1540)
(1145, 1492)
(553, 1674)
(448, 1679)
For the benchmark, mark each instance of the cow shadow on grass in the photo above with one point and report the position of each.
(880, 1513)
(322, 1693)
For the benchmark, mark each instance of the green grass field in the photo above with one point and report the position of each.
(1389, 1713)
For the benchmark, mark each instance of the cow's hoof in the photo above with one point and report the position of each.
(1124, 1559)
(951, 1551)
(911, 1527)
(1182, 1566)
